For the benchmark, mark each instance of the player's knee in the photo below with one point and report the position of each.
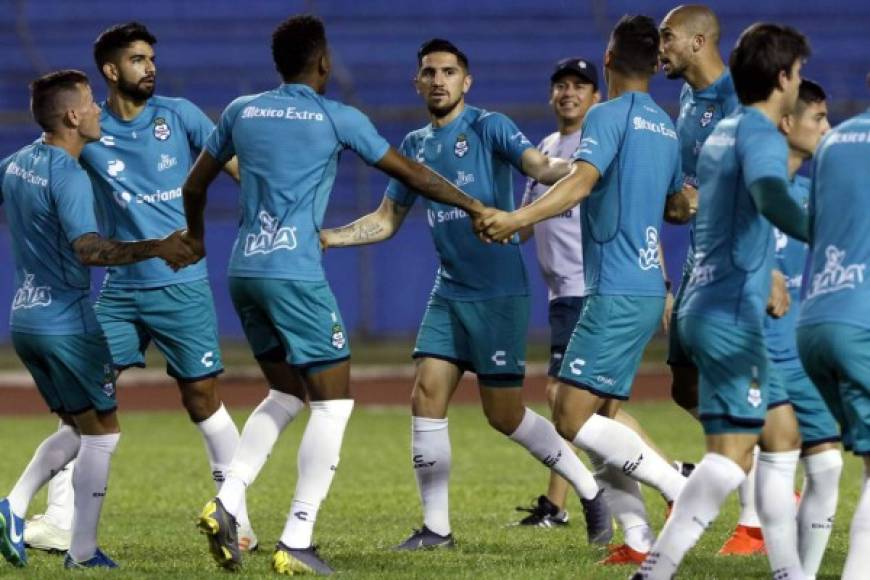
(427, 400)
(552, 391)
(566, 425)
(504, 421)
(200, 400)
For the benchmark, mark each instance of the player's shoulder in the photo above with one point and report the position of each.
(178, 105)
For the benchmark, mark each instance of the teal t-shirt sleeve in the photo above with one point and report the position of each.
(602, 132)
(764, 155)
(398, 191)
(196, 123)
(502, 135)
(356, 132)
(220, 143)
(74, 199)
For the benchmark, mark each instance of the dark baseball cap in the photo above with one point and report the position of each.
(577, 66)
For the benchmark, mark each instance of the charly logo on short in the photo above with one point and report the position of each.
(649, 256)
(31, 296)
(338, 338)
(707, 116)
(754, 396)
(271, 237)
(161, 129)
(461, 146)
(108, 381)
(836, 277)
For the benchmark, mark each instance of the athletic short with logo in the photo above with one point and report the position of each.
(73, 372)
(607, 344)
(179, 318)
(294, 321)
(817, 424)
(564, 312)
(837, 359)
(734, 374)
(487, 337)
(677, 356)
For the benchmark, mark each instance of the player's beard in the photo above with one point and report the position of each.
(443, 110)
(677, 72)
(136, 91)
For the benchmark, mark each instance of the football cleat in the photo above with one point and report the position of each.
(98, 560)
(599, 524)
(623, 554)
(41, 533)
(543, 514)
(248, 539)
(220, 528)
(12, 536)
(426, 539)
(745, 541)
(291, 561)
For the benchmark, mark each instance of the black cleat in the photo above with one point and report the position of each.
(220, 528)
(425, 539)
(292, 561)
(543, 514)
(599, 524)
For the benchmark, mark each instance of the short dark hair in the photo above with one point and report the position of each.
(634, 46)
(809, 92)
(761, 53)
(119, 37)
(441, 45)
(45, 92)
(296, 42)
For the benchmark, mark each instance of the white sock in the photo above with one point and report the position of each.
(626, 504)
(625, 450)
(317, 461)
(50, 457)
(858, 560)
(59, 510)
(259, 435)
(774, 498)
(540, 438)
(90, 481)
(818, 506)
(431, 457)
(696, 508)
(746, 491)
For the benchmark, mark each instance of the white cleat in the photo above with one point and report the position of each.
(248, 539)
(41, 533)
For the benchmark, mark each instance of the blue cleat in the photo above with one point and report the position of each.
(98, 560)
(12, 536)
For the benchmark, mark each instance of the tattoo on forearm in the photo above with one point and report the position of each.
(95, 250)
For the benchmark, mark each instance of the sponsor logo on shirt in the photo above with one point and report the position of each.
(721, 140)
(159, 196)
(461, 146)
(641, 124)
(463, 178)
(290, 113)
(166, 162)
(702, 274)
(115, 167)
(835, 276)
(271, 237)
(123, 198)
(649, 256)
(161, 129)
(30, 296)
(443, 216)
(849, 137)
(26, 175)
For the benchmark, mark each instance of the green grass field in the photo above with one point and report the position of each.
(159, 482)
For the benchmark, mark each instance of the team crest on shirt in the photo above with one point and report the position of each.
(707, 116)
(649, 256)
(30, 296)
(461, 146)
(108, 381)
(161, 129)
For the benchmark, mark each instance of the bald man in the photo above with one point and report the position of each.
(690, 51)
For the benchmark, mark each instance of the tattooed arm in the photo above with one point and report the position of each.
(377, 226)
(95, 250)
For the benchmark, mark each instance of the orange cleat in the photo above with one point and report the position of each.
(745, 541)
(621, 555)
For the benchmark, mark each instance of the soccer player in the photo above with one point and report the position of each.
(833, 333)
(819, 433)
(50, 208)
(288, 141)
(147, 147)
(743, 182)
(477, 314)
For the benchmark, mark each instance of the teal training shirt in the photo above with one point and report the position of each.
(837, 288)
(475, 151)
(730, 281)
(632, 143)
(49, 204)
(137, 169)
(790, 258)
(288, 141)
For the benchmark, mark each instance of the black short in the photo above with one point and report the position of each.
(564, 313)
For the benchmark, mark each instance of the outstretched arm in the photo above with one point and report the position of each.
(542, 168)
(377, 226)
(426, 182)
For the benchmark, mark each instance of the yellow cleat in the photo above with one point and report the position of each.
(292, 561)
(219, 527)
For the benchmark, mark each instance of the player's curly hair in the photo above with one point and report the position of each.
(634, 46)
(296, 44)
(118, 37)
(761, 53)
